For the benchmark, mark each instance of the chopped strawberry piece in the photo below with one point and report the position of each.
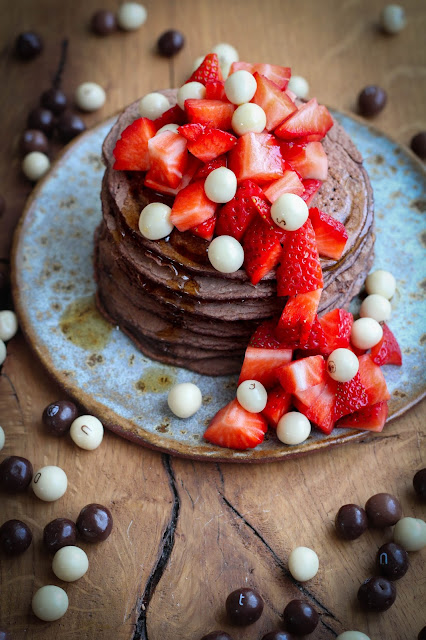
(387, 351)
(337, 325)
(191, 207)
(208, 167)
(236, 428)
(262, 365)
(216, 91)
(297, 319)
(275, 103)
(205, 229)
(373, 380)
(213, 113)
(311, 188)
(371, 418)
(208, 71)
(310, 119)
(264, 336)
(312, 163)
(192, 131)
(330, 234)
(289, 183)
(211, 144)
(350, 396)
(235, 216)
(263, 209)
(300, 270)
(277, 405)
(317, 404)
(256, 156)
(237, 66)
(301, 374)
(131, 150)
(292, 151)
(262, 249)
(168, 158)
(191, 168)
(279, 75)
(316, 339)
(174, 115)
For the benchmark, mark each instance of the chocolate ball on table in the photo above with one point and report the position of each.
(244, 606)
(170, 43)
(392, 561)
(419, 483)
(2, 205)
(15, 537)
(94, 523)
(41, 119)
(278, 635)
(55, 100)
(103, 23)
(300, 618)
(59, 533)
(351, 521)
(34, 140)
(422, 634)
(383, 510)
(217, 635)
(59, 416)
(371, 100)
(376, 594)
(15, 474)
(5, 635)
(69, 126)
(28, 45)
(418, 144)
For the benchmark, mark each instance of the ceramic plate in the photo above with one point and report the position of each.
(101, 368)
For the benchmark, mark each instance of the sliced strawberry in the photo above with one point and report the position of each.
(263, 208)
(236, 428)
(262, 249)
(256, 156)
(264, 336)
(216, 91)
(279, 75)
(211, 144)
(300, 270)
(208, 71)
(337, 325)
(292, 151)
(214, 113)
(131, 150)
(350, 396)
(191, 207)
(310, 119)
(191, 168)
(301, 374)
(277, 405)
(371, 418)
(297, 319)
(168, 157)
(262, 365)
(237, 66)
(174, 115)
(373, 380)
(275, 103)
(312, 163)
(311, 188)
(192, 131)
(205, 229)
(208, 167)
(289, 183)
(387, 351)
(316, 339)
(317, 404)
(330, 234)
(235, 216)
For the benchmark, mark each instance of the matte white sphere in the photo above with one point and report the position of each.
(50, 603)
(226, 254)
(8, 325)
(220, 185)
(191, 90)
(153, 105)
(366, 333)
(2, 352)
(87, 432)
(381, 282)
(131, 16)
(184, 399)
(197, 63)
(293, 428)
(289, 211)
(393, 19)
(49, 483)
(352, 635)
(252, 396)
(168, 127)
(247, 118)
(377, 307)
(154, 221)
(240, 87)
(342, 365)
(35, 165)
(410, 533)
(70, 563)
(2, 438)
(89, 96)
(303, 563)
(227, 54)
(299, 85)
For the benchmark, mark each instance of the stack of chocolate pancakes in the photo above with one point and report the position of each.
(174, 305)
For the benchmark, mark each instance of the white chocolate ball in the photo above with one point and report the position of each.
(392, 19)
(352, 635)
(299, 86)
(342, 365)
(252, 396)
(293, 428)
(190, 90)
(381, 282)
(184, 399)
(2, 438)
(227, 54)
(87, 432)
(2, 352)
(303, 563)
(289, 211)
(154, 221)
(8, 325)
(240, 87)
(247, 118)
(377, 307)
(168, 127)
(50, 603)
(410, 533)
(70, 563)
(89, 96)
(35, 165)
(220, 185)
(131, 16)
(366, 333)
(153, 105)
(49, 483)
(226, 254)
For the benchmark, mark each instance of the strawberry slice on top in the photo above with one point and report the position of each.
(311, 188)
(208, 71)
(235, 216)
(257, 157)
(211, 144)
(264, 337)
(312, 162)
(262, 365)
(336, 326)
(310, 119)
(213, 113)
(262, 248)
(275, 103)
(192, 207)
(297, 319)
(300, 270)
(370, 418)
(387, 351)
(289, 183)
(277, 405)
(330, 234)
(168, 157)
(236, 428)
(301, 374)
(131, 150)
(279, 75)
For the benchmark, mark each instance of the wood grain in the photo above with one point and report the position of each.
(186, 533)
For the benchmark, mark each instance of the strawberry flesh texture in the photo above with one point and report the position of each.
(191, 168)
(208, 167)
(370, 418)
(336, 325)
(373, 380)
(131, 150)
(208, 71)
(236, 428)
(299, 375)
(191, 207)
(174, 115)
(192, 131)
(300, 270)
(350, 396)
(387, 351)
(264, 336)
(275, 103)
(262, 365)
(330, 234)
(168, 157)
(213, 113)
(297, 319)
(315, 343)
(279, 75)
(216, 91)
(211, 144)
(277, 405)
(205, 229)
(235, 216)
(311, 163)
(311, 188)
(262, 248)
(310, 119)
(317, 404)
(289, 183)
(256, 156)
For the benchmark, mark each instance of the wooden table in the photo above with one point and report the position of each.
(187, 533)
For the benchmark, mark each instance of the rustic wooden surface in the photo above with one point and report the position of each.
(186, 533)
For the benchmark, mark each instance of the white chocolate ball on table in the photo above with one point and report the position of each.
(299, 85)
(240, 87)
(293, 428)
(381, 282)
(2, 438)
(289, 211)
(248, 118)
(50, 603)
(70, 563)
(377, 307)
(252, 396)
(87, 432)
(410, 533)
(131, 16)
(303, 563)
(3, 352)
(190, 90)
(366, 333)
(392, 19)
(153, 105)
(89, 96)
(184, 399)
(8, 325)
(220, 185)
(154, 221)
(226, 254)
(342, 365)
(49, 483)
(352, 635)
(35, 165)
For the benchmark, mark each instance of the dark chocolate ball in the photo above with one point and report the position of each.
(28, 45)
(2, 205)
(94, 523)
(351, 521)
(300, 618)
(419, 483)
(59, 533)
(244, 606)
(422, 634)
(376, 594)
(34, 140)
(55, 100)
(217, 635)
(5, 635)
(58, 417)
(103, 23)
(392, 561)
(41, 119)
(383, 510)
(418, 144)
(278, 635)
(15, 474)
(69, 125)
(371, 100)
(170, 43)
(15, 537)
